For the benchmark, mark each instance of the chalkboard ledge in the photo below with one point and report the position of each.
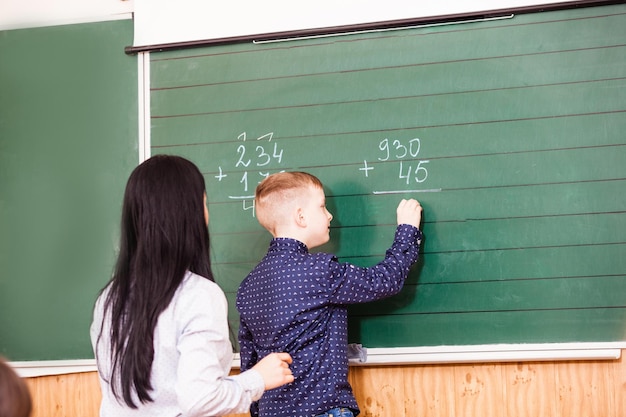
(29, 369)
(400, 356)
(493, 353)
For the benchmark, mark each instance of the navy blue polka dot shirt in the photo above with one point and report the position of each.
(296, 302)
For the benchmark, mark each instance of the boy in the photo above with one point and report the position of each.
(296, 302)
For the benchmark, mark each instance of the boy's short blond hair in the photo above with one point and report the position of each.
(275, 194)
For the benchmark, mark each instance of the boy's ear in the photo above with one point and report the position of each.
(299, 217)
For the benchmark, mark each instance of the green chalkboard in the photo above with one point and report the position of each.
(509, 132)
(68, 140)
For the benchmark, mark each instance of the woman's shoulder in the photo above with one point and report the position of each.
(197, 286)
(197, 294)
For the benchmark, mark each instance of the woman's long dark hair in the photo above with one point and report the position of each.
(163, 234)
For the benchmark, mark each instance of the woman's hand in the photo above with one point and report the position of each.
(274, 368)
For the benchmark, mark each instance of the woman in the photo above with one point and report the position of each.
(160, 329)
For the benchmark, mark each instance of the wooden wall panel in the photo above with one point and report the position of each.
(584, 389)
(71, 395)
(478, 390)
(619, 382)
(429, 390)
(379, 390)
(537, 389)
(529, 389)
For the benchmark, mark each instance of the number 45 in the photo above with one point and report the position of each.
(421, 173)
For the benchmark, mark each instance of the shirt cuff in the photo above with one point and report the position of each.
(409, 232)
(252, 382)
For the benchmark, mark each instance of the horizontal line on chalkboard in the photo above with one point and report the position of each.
(476, 155)
(512, 280)
(443, 157)
(516, 248)
(547, 278)
(467, 220)
(533, 185)
(578, 245)
(390, 67)
(424, 253)
(505, 186)
(569, 148)
(463, 221)
(543, 216)
(379, 99)
(399, 129)
(365, 194)
(525, 310)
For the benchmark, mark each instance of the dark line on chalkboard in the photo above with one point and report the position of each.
(399, 34)
(399, 191)
(477, 155)
(522, 119)
(597, 213)
(513, 310)
(533, 185)
(398, 129)
(546, 278)
(381, 99)
(542, 216)
(368, 193)
(569, 148)
(524, 247)
(425, 253)
(444, 221)
(389, 67)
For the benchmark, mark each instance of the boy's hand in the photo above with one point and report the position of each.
(409, 212)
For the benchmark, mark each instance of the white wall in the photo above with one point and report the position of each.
(168, 21)
(15, 14)
(165, 21)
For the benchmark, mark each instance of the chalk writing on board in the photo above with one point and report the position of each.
(411, 170)
(256, 160)
(258, 156)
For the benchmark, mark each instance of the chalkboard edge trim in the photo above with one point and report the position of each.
(538, 352)
(391, 24)
(399, 356)
(29, 369)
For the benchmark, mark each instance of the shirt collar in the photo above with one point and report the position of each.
(286, 243)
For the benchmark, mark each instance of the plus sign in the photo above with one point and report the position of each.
(365, 168)
(221, 175)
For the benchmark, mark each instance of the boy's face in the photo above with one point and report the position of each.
(317, 217)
